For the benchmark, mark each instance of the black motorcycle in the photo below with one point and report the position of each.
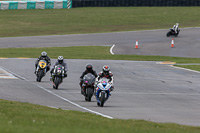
(172, 32)
(41, 70)
(57, 76)
(88, 86)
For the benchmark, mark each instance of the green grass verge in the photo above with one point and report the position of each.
(86, 52)
(16, 117)
(94, 19)
(192, 67)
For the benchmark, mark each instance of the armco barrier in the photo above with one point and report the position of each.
(44, 4)
(116, 3)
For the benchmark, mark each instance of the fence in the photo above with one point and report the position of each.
(114, 3)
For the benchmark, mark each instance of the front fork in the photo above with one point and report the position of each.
(98, 93)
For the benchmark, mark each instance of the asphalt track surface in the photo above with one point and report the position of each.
(143, 90)
(152, 42)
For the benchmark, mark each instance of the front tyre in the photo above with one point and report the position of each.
(57, 81)
(40, 74)
(168, 34)
(89, 93)
(102, 99)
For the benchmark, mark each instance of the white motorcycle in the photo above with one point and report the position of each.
(103, 91)
(57, 76)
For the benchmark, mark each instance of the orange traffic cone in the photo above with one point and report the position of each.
(136, 44)
(172, 44)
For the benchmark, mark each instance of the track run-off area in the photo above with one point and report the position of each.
(143, 89)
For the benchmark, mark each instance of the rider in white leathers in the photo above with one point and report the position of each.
(175, 27)
(107, 74)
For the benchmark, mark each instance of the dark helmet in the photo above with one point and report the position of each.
(89, 67)
(106, 69)
(44, 54)
(60, 59)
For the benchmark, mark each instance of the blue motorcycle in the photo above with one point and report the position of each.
(103, 91)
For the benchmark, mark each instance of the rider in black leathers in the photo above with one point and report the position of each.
(43, 57)
(89, 69)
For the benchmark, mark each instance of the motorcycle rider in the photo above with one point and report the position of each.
(43, 57)
(61, 62)
(175, 28)
(106, 73)
(89, 69)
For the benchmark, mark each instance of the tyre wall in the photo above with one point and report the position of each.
(117, 3)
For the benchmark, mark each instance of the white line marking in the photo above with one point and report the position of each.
(184, 69)
(112, 49)
(5, 75)
(77, 105)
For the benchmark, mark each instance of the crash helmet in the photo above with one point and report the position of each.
(106, 69)
(177, 24)
(60, 59)
(44, 54)
(89, 67)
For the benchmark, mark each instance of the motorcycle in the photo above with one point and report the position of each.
(41, 70)
(88, 85)
(103, 91)
(172, 32)
(57, 76)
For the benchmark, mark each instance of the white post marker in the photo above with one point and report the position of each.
(112, 49)
(69, 4)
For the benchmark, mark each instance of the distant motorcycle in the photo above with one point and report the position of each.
(41, 70)
(88, 84)
(103, 91)
(57, 76)
(172, 32)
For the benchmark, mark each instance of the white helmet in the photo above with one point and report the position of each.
(44, 54)
(60, 59)
(177, 24)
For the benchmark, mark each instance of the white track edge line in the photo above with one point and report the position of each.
(184, 69)
(77, 105)
(111, 49)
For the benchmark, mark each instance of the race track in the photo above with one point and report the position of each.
(143, 90)
(152, 42)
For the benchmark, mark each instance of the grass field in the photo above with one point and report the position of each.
(23, 117)
(93, 20)
(18, 117)
(84, 52)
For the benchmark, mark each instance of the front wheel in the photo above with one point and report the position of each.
(89, 93)
(40, 74)
(168, 34)
(102, 99)
(57, 82)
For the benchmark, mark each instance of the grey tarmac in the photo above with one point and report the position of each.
(151, 42)
(143, 90)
